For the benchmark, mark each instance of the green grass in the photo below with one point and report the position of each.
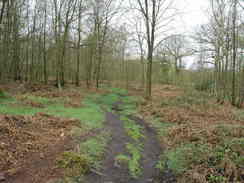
(161, 127)
(130, 105)
(135, 158)
(18, 109)
(74, 162)
(181, 158)
(132, 160)
(133, 130)
(119, 91)
(108, 99)
(41, 100)
(87, 156)
(90, 115)
(95, 148)
(105, 101)
(122, 159)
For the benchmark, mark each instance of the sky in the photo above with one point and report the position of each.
(193, 14)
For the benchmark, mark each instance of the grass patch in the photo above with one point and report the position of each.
(130, 105)
(225, 159)
(75, 164)
(122, 159)
(133, 130)
(132, 160)
(161, 127)
(135, 157)
(41, 100)
(88, 156)
(119, 91)
(95, 148)
(4, 95)
(105, 100)
(90, 115)
(181, 158)
(18, 110)
(108, 99)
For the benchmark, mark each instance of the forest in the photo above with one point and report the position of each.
(121, 91)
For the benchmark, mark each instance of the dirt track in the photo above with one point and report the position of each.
(111, 172)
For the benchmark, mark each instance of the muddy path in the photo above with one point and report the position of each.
(113, 173)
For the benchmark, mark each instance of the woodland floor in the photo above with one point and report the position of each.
(112, 136)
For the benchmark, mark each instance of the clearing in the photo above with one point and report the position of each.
(112, 136)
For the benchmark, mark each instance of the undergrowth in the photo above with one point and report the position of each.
(95, 148)
(204, 140)
(87, 156)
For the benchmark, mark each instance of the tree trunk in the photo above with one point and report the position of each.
(234, 54)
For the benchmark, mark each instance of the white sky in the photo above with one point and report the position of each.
(193, 14)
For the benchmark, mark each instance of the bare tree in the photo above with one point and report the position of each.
(178, 47)
(156, 14)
